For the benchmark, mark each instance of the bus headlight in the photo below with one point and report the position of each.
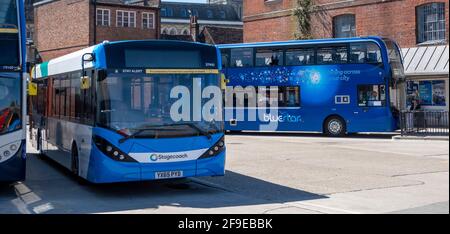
(9, 150)
(111, 151)
(215, 149)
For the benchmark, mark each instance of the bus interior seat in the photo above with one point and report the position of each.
(372, 57)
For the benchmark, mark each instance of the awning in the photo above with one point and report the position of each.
(426, 60)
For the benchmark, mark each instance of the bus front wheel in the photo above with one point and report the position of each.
(334, 126)
(75, 167)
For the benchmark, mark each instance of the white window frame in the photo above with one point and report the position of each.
(148, 15)
(128, 14)
(103, 10)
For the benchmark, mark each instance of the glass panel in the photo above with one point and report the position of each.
(9, 33)
(332, 55)
(269, 58)
(365, 53)
(430, 22)
(296, 57)
(242, 57)
(10, 104)
(371, 95)
(344, 26)
(129, 103)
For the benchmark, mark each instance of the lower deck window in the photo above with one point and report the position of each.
(371, 95)
(264, 96)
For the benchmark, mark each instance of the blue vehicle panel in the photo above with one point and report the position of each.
(325, 90)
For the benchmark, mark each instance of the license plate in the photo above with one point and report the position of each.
(168, 174)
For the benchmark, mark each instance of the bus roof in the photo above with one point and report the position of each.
(72, 62)
(302, 42)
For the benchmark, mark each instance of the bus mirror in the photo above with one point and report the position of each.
(224, 81)
(88, 57)
(85, 82)
(32, 89)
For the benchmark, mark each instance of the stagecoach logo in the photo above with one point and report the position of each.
(167, 157)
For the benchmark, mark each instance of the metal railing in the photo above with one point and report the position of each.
(424, 123)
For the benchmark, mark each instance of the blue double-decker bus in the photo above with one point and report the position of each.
(12, 91)
(131, 111)
(334, 86)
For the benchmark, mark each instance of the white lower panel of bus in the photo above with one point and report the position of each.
(168, 157)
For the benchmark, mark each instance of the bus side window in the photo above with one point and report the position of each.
(289, 96)
(332, 55)
(371, 95)
(225, 59)
(365, 53)
(297, 57)
(267, 57)
(242, 57)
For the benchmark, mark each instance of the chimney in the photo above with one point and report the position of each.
(195, 28)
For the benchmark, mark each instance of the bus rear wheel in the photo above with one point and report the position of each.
(335, 126)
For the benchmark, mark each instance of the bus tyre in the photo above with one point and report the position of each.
(335, 126)
(75, 168)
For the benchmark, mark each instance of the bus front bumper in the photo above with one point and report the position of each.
(102, 169)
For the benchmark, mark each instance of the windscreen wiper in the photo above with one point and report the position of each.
(194, 126)
(133, 135)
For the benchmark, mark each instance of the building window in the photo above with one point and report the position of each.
(103, 16)
(344, 26)
(430, 22)
(148, 20)
(184, 13)
(223, 15)
(163, 12)
(164, 31)
(169, 12)
(209, 14)
(126, 19)
(195, 13)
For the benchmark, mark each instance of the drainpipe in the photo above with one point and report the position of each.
(95, 22)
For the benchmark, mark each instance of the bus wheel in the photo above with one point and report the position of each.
(75, 162)
(334, 126)
(75, 167)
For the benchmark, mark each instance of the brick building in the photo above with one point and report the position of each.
(64, 26)
(419, 26)
(402, 20)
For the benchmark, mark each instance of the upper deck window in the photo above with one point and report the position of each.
(9, 33)
(267, 58)
(297, 57)
(332, 55)
(242, 57)
(365, 53)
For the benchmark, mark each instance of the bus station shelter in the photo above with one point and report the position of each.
(427, 77)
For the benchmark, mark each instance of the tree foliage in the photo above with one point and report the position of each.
(302, 13)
